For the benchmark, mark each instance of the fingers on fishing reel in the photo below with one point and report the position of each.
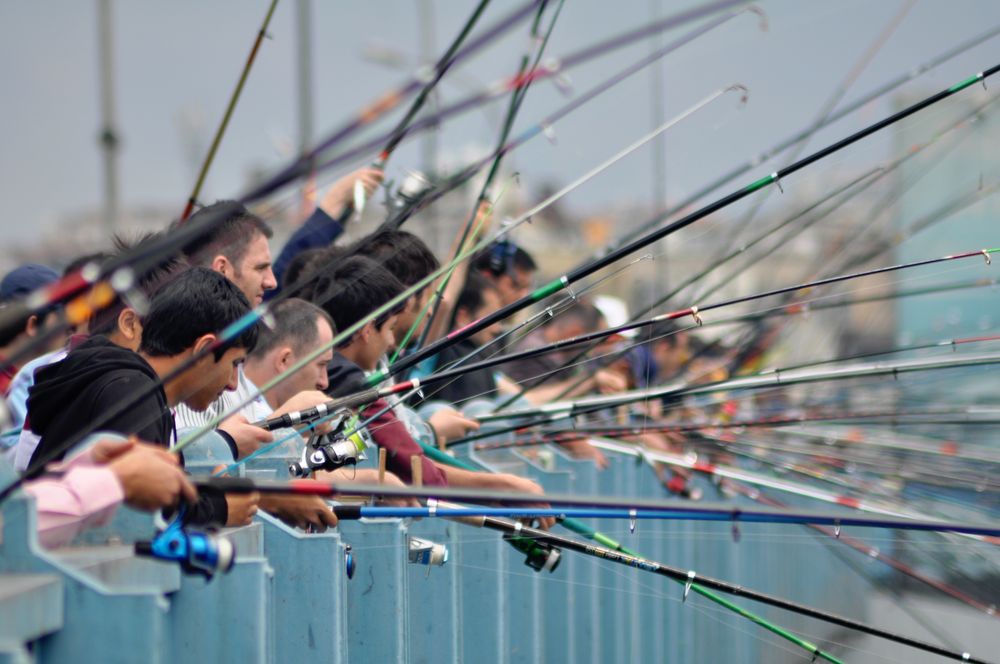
(344, 446)
(197, 552)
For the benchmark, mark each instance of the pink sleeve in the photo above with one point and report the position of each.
(85, 497)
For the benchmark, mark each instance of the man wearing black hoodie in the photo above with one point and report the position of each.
(103, 387)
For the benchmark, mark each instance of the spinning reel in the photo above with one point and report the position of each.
(334, 450)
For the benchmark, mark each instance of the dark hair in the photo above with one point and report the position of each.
(294, 323)
(353, 288)
(503, 256)
(584, 313)
(404, 254)
(198, 301)
(230, 237)
(471, 297)
(148, 282)
(303, 270)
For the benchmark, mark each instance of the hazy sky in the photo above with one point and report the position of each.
(180, 59)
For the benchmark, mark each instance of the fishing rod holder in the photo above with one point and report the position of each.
(344, 446)
(539, 556)
(196, 552)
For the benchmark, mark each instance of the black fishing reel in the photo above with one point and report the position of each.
(539, 556)
(335, 449)
(197, 552)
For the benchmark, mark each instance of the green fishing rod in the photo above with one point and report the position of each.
(589, 268)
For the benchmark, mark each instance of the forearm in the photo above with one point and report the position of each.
(82, 498)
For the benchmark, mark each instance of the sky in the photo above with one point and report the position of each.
(176, 64)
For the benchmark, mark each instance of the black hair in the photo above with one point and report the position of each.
(197, 302)
(230, 237)
(148, 282)
(405, 255)
(471, 297)
(303, 270)
(353, 288)
(295, 324)
(502, 257)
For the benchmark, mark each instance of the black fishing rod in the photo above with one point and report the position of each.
(589, 268)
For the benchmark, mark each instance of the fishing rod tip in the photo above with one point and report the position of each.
(761, 17)
(743, 90)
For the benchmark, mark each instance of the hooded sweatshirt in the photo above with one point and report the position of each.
(387, 431)
(87, 391)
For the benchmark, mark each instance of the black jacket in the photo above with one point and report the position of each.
(101, 386)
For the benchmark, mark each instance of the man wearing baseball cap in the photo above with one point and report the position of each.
(16, 285)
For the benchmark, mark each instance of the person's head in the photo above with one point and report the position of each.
(121, 322)
(186, 318)
(508, 266)
(579, 318)
(15, 286)
(300, 275)
(349, 291)
(479, 297)
(668, 345)
(236, 248)
(299, 328)
(408, 259)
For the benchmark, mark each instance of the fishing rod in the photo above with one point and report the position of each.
(415, 384)
(93, 276)
(689, 578)
(586, 269)
(870, 551)
(827, 108)
(553, 67)
(721, 471)
(805, 133)
(230, 107)
(483, 198)
(391, 100)
(617, 430)
(343, 335)
(768, 378)
(878, 173)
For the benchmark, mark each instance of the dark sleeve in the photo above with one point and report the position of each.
(145, 418)
(529, 371)
(319, 230)
(388, 432)
(210, 510)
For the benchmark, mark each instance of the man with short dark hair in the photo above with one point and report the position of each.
(237, 248)
(101, 386)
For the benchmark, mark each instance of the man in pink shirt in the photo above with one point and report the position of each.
(84, 491)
